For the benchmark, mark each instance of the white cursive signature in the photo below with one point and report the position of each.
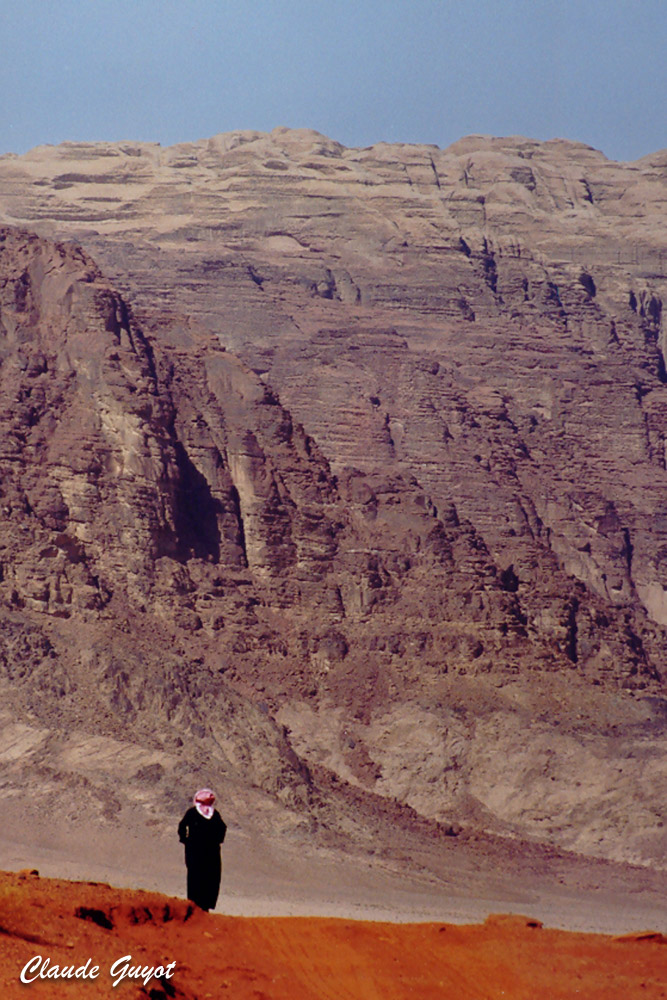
(42, 968)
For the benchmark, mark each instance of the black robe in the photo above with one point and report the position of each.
(202, 838)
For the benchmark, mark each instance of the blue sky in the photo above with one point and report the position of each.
(361, 72)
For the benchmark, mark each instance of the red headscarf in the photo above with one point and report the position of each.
(204, 800)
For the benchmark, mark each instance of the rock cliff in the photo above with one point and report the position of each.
(365, 494)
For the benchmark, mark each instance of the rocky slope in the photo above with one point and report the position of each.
(457, 564)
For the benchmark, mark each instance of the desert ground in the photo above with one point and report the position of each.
(453, 881)
(104, 932)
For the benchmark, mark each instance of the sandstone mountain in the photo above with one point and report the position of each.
(359, 507)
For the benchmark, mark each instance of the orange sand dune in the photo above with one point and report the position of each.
(300, 958)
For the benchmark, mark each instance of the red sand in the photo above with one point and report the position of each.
(293, 958)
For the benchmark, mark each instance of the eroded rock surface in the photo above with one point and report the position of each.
(456, 564)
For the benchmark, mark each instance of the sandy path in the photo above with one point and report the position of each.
(263, 878)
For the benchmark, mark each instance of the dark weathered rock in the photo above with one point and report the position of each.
(474, 339)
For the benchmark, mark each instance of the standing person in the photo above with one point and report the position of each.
(202, 831)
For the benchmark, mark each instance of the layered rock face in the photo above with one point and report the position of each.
(166, 526)
(487, 317)
(458, 562)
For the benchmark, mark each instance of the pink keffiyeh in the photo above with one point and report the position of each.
(204, 800)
